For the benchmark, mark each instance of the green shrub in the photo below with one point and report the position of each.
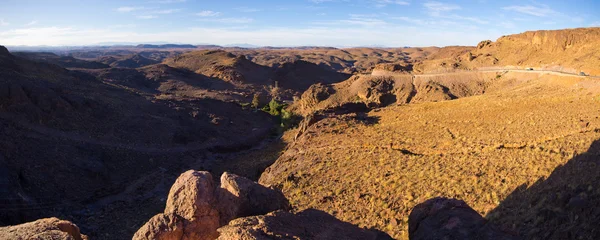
(287, 119)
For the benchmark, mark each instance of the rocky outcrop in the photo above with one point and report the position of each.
(311, 97)
(377, 91)
(442, 218)
(47, 228)
(196, 207)
(432, 92)
(308, 224)
(566, 50)
(393, 67)
(382, 89)
(240, 197)
(483, 44)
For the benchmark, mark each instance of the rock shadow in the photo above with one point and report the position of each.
(566, 205)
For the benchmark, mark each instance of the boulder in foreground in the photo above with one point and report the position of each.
(47, 228)
(196, 208)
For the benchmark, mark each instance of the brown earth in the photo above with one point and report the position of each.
(494, 151)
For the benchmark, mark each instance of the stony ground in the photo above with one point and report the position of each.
(487, 150)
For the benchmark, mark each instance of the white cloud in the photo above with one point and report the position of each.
(3, 23)
(541, 11)
(147, 16)
(577, 19)
(128, 9)
(435, 8)
(595, 24)
(247, 9)
(241, 20)
(208, 14)
(166, 11)
(471, 19)
(122, 26)
(391, 35)
(34, 22)
(437, 24)
(412, 20)
(356, 20)
(383, 3)
(507, 24)
(519, 19)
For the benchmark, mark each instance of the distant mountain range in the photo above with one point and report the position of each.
(161, 45)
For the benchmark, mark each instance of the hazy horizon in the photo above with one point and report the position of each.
(335, 23)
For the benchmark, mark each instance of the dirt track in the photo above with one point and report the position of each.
(380, 73)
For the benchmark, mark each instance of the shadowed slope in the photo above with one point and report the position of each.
(74, 146)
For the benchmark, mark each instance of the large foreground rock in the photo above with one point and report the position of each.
(196, 208)
(192, 198)
(442, 218)
(47, 228)
(309, 224)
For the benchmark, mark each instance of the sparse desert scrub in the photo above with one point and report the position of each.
(486, 150)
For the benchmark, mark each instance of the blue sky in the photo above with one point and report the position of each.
(340, 23)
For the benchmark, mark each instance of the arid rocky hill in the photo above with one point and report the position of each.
(300, 75)
(498, 150)
(568, 50)
(350, 60)
(291, 78)
(222, 65)
(396, 89)
(130, 61)
(63, 61)
(74, 146)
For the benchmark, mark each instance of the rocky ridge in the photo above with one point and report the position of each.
(566, 50)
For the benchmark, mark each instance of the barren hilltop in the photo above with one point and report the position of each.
(494, 141)
(569, 50)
